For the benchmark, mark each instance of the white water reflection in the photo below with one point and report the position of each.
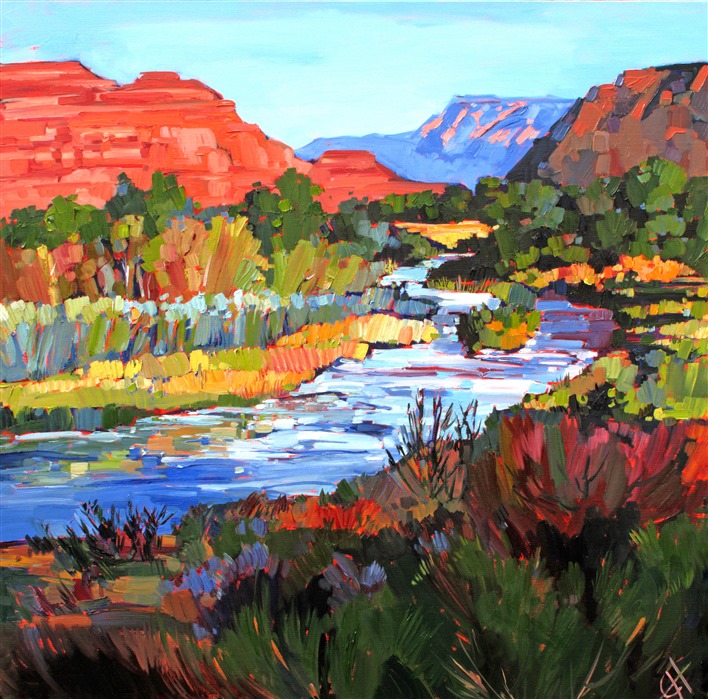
(334, 427)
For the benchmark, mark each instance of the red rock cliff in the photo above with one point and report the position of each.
(64, 130)
(356, 173)
(652, 112)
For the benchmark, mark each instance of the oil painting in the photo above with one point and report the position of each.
(353, 350)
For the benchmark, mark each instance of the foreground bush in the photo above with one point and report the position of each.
(395, 614)
(549, 555)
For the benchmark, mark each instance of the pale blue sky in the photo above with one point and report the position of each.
(303, 70)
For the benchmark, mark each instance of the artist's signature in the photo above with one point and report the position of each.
(673, 684)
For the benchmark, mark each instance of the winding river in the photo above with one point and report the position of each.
(334, 427)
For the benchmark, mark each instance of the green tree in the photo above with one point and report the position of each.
(157, 205)
(655, 184)
(614, 230)
(695, 214)
(128, 199)
(458, 203)
(65, 218)
(165, 200)
(25, 228)
(282, 218)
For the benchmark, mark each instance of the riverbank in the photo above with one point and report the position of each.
(334, 427)
(546, 511)
(537, 527)
(470, 538)
(182, 381)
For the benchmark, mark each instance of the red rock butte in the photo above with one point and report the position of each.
(68, 131)
(344, 174)
(651, 112)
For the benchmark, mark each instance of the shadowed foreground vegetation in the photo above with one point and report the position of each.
(546, 555)
(555, 551)
(558, 550)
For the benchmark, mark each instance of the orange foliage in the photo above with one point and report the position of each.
(696, 468)
(655, 269)
(363, 517)
(645, 269)
(374, 328)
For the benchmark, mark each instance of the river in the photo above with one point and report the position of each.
(336, 426)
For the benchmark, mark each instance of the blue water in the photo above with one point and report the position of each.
(336, 426)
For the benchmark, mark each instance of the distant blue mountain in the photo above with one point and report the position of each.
(473, 137)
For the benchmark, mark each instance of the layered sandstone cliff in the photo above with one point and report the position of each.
(652, 112)
(64, 130)
(347, 174)
(473, 137)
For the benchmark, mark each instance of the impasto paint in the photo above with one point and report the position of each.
(419, 413)
(296, 445)
(472, 137)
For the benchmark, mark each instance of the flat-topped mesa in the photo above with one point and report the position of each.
(166, 87)
(345, 174)
(67, 131)
(335, 162)
(22, 80)
(651, 112)
(472, 137)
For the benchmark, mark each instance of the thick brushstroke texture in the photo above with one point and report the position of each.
(472, 137)
(307, 441)
(347, 174)
(118, 331)
(281, 446)
(304, 70)
(67, 131)
(659, 111)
